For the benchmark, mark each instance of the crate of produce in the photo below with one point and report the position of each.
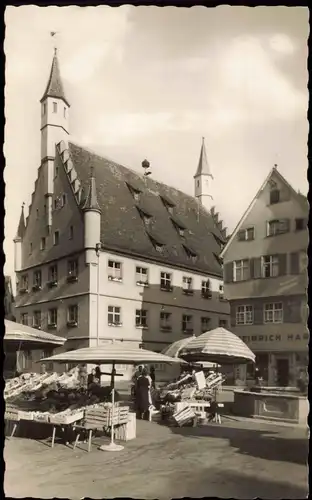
(66, 419)
(11, 414)
(25, 415)
(41, 417)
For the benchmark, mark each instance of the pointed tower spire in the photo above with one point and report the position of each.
(203, 165)
(55, 87)
(203, 180)
(91, 202)
(21, 225)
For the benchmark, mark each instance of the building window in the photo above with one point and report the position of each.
(223, 323)
(275, 227)
(301, 224)
(30, 248)
(42, 244)
(187, 285)
(45, 209)
(64, 112)
(52, 318)
(274, 196)
(247, 234)
(273, 313)
(244, 315)
(241, 270)
(206, 289)
(141, 276)
(37, 213)
(37, 282)
(53, 275)
(114, 271)
(55, 107)
(44, 108)
(221, 292)
(72, 270)
(24, 319)
(63, 200)
(72, 315)
(141, 318)
(37, 319)
(114, 316)
(56, 238)
(165, 281)
(71, 232)
(165, 321)
(187, 323)
(205, 324)
(269, 266)
(24, 283)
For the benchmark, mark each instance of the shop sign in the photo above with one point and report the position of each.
(275, 338)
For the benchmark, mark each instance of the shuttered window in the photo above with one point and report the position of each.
(228, 272)
(292, 311)
(294, 263)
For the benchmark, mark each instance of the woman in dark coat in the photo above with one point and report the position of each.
(142, 395)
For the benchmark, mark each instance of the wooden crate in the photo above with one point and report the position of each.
(25, 415)
(184, 416)
(67, 418)
(11, 414)
(104, 416)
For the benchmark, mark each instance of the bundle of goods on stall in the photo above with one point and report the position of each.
(52, 397)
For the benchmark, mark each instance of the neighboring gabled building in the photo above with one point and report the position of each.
(265, 280)
(108, 254)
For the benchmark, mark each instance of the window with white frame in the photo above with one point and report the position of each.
(223, 323)
(187, 323)
(37, 319)
(247, 234)
(24, 282)
(72, 270)
(165, 281)
(273, 312)
(141, 318)
(275, 227)
(56, 238)
(114, 270)
(244, 315)
(187, 284)
(165, 321)
(241, 270)
(205, 324)
(24, 318)
(72, 314)
(54, 107)
(206, 289)
(141, 275)
(53, 272)
(42, 243)
(71, 232)
(37, 279)
(52, 316)
(114, 316)
(269, 266)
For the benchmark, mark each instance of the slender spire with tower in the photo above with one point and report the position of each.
(54, 129)
(203, 179)
(91, 202)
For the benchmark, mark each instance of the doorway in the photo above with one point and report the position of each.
(282, 372)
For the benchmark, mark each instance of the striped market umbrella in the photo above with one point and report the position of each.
(19, 337)
(111, 353)
(217, 346)
(174, 349)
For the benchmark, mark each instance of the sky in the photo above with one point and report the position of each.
(150, 82)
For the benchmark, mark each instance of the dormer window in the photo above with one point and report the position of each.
(145, 216)
(54, 107)
(135, 192)
(178, 226)
(191, 254)
(158, 245)
(168, 204)
(274, 196)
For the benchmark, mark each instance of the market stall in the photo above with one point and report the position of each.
(196, 395)
(112, 354)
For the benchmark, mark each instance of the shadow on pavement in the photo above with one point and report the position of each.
(215, 482)
(269, 444)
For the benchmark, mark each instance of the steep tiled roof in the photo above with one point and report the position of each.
(21, 225)
(55, 86)
(123, 229)
(203, 165)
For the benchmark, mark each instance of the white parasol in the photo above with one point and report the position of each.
(17, 334)
(217, 346)
(111, 353)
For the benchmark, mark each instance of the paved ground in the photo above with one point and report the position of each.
(236, 459)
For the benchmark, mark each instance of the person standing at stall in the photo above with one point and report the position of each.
(142, 393)
(153, 377)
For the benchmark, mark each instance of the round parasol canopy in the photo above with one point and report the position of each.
(174, 349)
(111, 353)
(217, 346)
(19, 337)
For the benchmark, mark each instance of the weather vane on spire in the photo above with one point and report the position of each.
(53, 35)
